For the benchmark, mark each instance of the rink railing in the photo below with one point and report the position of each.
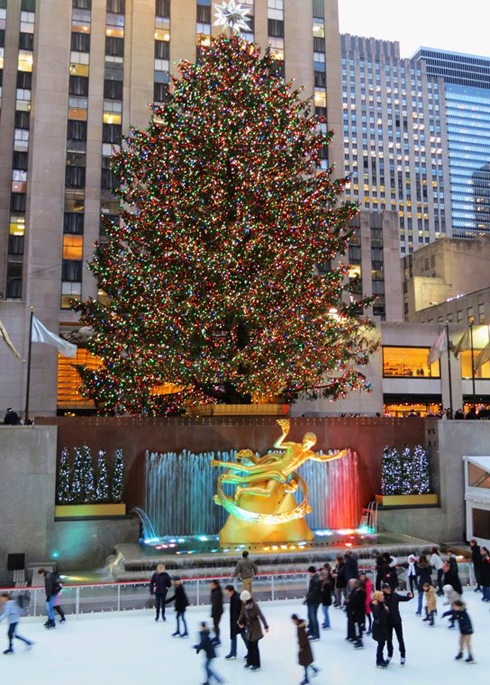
(133, 595)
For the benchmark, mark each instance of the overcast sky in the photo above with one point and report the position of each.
(447, 24)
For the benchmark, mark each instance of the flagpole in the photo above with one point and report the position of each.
(471, 320)
(449, 371)
(28, 388)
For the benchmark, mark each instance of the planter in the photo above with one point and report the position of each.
(84, 511)
(240, 410)
(401, 501)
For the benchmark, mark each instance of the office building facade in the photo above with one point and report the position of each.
(75, 74)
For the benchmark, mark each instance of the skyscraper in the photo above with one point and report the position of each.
(74, 75)
(395, 138)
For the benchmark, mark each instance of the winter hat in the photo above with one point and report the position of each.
(412, 557)
(245, 596)
(385, 586)
(448, 588)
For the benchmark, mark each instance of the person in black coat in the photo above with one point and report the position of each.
(159, 585)
(392, 600)
(351, 567)
(423, 571)
(485, 574)
(458, 613)
(380, 626)
(206, 645)
(313, 601)
(52, 587)
(327, 586)
(340, 581)
(356, 612)
(235, 611)
(452, 578)
(382, 569)
(216, 608)
(181, 604)
(477, 562)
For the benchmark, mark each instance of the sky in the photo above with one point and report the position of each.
(430, 23)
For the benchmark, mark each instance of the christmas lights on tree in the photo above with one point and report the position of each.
(77, 491)
(117, 482)
(409, 475)
(102, 492)
(88, 478)
(64, 491)
(421, 471)
(391, 472)
(212, 272)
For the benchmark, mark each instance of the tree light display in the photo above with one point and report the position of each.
(409, 475)
(212, 272)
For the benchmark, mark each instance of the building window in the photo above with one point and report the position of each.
(113, 90)
(114, 46)
(482, 372)
(162, 8)
(71, 271)
(481, 313)
(80, 42)
(116, 6)
(404, 362)
(82, 4)
(69, 395)
(79, 86)
(14, 280)
(69, 292)
(77, 130)
(72, 246)
(75, 177)
(73, 222)
(459, 315)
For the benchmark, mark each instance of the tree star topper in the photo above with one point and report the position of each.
(231, 14)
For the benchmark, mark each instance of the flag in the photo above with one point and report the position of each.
(483, 357)
(463, 344)
(5, 337)
(41, 334)
(439, 346)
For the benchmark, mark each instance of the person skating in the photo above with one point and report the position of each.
(181, 604)
(430, 603)
(250, 619)
(327, 587)
(246, 569)
(340, 582)
(235, 610)
(437, 565)
(216, 608)
(369, 591)
(380, 626)
(159, 584)
(451, 596)
(451, 578)
(424, 575)
(356, 612)
(351, 567)
(57, 606)
(51, 587)
(10, 611)
(485, 574)
(477, 562)
(392, 601)
(305, 654)
(412, 573)
(206, 645)
(313, 601)
(460, 615)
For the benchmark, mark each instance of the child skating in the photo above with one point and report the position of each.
(181, 604)
(430, 603)
(305, 655)
(10, 611)
(459, 614)
(207, 646)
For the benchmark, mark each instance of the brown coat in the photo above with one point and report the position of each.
(250, 617)
(430, 598)
(305, 655)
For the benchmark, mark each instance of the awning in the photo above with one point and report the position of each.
(481, 462)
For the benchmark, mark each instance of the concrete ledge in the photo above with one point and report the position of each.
(401, 501)
(81, 511)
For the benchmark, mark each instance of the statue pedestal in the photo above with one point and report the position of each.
(237, 531)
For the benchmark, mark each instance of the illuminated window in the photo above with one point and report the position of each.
(69, 395)
(79, 69)
(72, 246)
(111, 118)
(482, 372)
(17, 225)
(25, 60)
(402, 362)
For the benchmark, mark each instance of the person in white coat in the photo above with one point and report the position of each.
(436, 563)
(411, 572)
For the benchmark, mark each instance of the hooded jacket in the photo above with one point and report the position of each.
(381, 619)
(305, 655)
(216, 602)
(250, 617)
(314, 595)
(462, 618)
(206, 644)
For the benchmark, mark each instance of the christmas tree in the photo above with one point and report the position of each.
(222, 272)
(117, 482)
(102, 492)
(421, 471)
(391, 472)
(64, 493)
(408, 476)
(77, 491)
(88, 476)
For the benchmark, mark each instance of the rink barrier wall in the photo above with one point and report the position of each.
(89, 598)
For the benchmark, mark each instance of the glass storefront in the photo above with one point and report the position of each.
(405, 362)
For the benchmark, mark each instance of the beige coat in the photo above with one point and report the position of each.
(430, 599)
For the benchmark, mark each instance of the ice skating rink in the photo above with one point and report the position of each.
(131, 649)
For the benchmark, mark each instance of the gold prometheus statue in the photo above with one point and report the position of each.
(263, 508)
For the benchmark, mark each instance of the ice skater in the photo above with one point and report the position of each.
(380, 626)
(246, 569)
(356, 612)
(430, 603)
(313, 601)
(250, 618)
(451, 596)
(423, 572)
(327, 587)
(216, 608)
(159, 585)
(10, 611)
(369, 591)
(235, 611)
(305, 655)
(52, 587)
(181, 604)
(206, 645)
(57, 605)
(436, 563)
(460, 615)
(392, 600)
